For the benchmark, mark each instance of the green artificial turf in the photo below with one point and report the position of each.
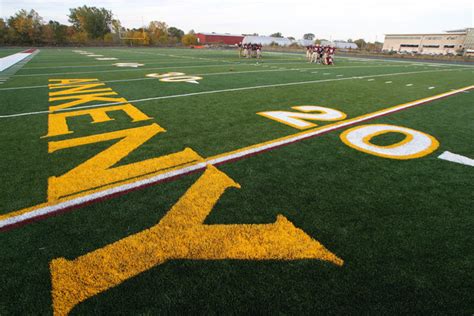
(403, 228)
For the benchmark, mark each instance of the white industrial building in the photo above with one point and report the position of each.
(451, 42)
(267, 40)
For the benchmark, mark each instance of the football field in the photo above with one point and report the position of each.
(183, 181)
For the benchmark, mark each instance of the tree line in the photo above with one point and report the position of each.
(89, 26)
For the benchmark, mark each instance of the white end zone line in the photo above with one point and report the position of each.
(225, 90)
(30, 215)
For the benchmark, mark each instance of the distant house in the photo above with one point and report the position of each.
(215, 38)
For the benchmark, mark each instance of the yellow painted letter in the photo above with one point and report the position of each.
(97, 172)
(181, 234)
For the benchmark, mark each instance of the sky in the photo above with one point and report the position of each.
(332, 19)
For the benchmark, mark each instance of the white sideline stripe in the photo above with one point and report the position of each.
(144, 78)
(385, 60)
(449, 156)
(179, 67)
(88, 65)
(219, 160)
(405, 61)
(197, 74)
(175, 56)
(8, 61)
(118, 70)
(220, 91)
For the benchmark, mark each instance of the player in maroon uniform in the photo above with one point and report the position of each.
(247, 50)
(332, 51)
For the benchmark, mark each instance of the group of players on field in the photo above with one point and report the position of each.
(320, 54)
(250, 50)
(314, 53)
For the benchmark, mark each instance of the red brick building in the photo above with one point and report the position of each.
(214, 38)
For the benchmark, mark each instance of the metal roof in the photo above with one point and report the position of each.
(427, 34)
(219, 34)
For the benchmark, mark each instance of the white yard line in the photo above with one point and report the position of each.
(118, 70)
(173, 55)
(215, 160)
(223, 91)
(88, 65)
(449, 156)
(146, 78)
(184, 67)
(405, 61)
(199, 74)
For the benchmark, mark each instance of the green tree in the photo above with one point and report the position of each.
(91, 20)
(26, 27)
(3, 31)
(309, 36)
(158, 32)
(189, 39)
(277, 34)
(58, 30)
(175, 32)
(361, 43)
(291, 38)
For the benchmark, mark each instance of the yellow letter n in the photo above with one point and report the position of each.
(98, 171)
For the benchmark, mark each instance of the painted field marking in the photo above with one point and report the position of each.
(89, 65)
(175, 56)
(449, 156)
(185, 67)
(403, 61)
(339, 75)
(13, 59)
(133, 65)
(224, 91)
(431, 88)
(388, 81)
(142, 78)
(371, 80)
(16, 218)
